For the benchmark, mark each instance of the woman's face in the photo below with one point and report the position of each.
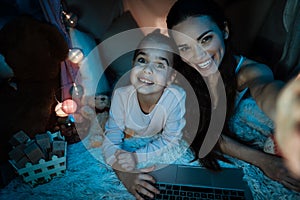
(202, 45)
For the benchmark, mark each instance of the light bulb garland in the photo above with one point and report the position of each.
(68, 107)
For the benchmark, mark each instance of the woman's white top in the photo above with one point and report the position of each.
(239, 95)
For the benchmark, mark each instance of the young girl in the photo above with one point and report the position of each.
(146, 117)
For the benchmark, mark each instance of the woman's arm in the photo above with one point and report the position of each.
(272, 166)
(263, 88)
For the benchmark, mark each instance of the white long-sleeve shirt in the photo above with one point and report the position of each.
(166, 119)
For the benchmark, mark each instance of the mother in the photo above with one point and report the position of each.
(206, 50)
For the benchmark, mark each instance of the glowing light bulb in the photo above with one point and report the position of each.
(76, 91)
(69, 106)
(59, 112)
(75, 55)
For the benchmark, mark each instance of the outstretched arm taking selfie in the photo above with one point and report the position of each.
(263, 88)
(272, 166)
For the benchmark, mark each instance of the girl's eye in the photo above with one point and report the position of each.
(141, 60)
(206, 39)
(160, 66)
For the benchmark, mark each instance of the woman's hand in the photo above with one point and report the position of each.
(139, 183)
(274, 167)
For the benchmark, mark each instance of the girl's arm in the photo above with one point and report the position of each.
(113, 136)
(271, 165)
(112, 140)
(263, 88)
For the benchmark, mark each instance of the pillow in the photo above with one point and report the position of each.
(91, 67)
(123, 63)
(95, 16)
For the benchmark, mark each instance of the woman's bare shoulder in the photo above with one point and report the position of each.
(252, 71)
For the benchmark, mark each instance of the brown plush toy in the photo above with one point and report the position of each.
(34, 51)
(102, 105)
(95, 109)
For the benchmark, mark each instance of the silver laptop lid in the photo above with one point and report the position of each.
(228, 178)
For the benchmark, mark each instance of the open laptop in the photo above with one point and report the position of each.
(192, 182)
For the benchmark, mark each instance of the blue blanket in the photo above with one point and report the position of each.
(88, 177)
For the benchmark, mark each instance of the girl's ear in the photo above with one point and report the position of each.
(226, 31)
(172, 77)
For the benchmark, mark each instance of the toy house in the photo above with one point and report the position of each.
(41, 159)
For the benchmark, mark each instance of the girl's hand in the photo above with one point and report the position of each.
(126, 160)
(139, 183)
(273, 167)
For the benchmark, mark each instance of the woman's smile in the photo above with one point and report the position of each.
(205, 64)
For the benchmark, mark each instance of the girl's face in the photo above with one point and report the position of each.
(152, 69)
(204, 47)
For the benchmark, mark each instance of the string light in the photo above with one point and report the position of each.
(59, 112)
(70, 19)
(75, 55)
(69, 106)
(76, 91)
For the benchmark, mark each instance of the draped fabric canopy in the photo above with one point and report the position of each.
(289, 63)
(52, 10)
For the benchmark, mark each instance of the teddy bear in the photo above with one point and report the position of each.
(102, 105)
(34, 50)
(95, 109)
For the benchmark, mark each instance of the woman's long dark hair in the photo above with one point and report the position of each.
(179, 12)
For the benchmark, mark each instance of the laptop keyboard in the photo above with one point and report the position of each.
(179, 192)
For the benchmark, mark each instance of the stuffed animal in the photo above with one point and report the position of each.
(95, 109)
(102, 105)
(34, 50)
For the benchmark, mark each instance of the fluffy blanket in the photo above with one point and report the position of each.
(88, 177)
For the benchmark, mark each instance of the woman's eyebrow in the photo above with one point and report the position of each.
(181, 45)
(199, 38)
